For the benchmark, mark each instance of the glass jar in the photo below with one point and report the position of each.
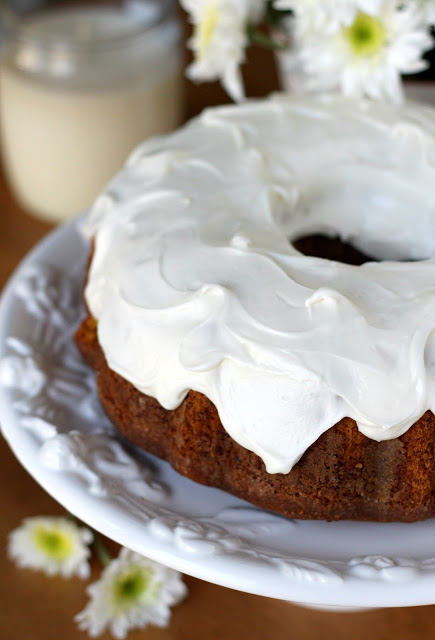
(80, 86)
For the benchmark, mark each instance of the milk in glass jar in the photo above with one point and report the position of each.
(80, 86)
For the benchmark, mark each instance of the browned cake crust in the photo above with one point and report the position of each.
(343, 475)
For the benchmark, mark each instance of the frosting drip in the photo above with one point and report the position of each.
(196, 284)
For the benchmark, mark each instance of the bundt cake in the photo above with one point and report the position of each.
(261, 298)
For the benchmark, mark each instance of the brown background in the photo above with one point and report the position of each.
(34, 607)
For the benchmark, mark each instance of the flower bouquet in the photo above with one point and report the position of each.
(358, 47)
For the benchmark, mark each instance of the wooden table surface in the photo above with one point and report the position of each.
(35, 607)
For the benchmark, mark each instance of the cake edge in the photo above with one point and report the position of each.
(343, 476)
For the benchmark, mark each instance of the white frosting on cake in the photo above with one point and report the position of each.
(196, 285)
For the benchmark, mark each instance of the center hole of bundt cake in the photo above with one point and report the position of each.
(321, 246)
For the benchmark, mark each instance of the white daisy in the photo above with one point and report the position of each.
(131, 593)
(220, 39)
(54, 545)
(327, 14)
(366, 57)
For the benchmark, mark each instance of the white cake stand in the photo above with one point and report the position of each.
(51, 417)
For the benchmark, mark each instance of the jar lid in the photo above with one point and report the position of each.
(53, 39)
(86, 25)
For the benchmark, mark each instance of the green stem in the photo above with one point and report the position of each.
(100, 549)
(257, 37)
(274, 16)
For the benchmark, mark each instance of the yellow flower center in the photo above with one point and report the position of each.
(54, 543)
(205, 29)
(366, 36)
(133, 585)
